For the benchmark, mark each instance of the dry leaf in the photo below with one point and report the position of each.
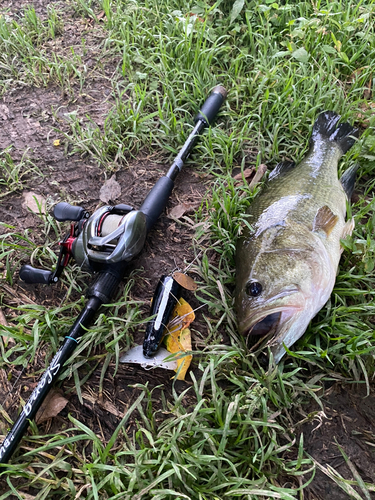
(33, 201)
(51, 406)
(366, 106)
(367, 93)
(178, 339)
(4, 111)
(108, 406)
(102, 15)
(3, 322)
(247, 173)
(261, 170)
(179, 210)
(185, 281)
(110, 191)
(26, 496)
(6, 391)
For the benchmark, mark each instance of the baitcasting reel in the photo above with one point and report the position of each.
(111, 234)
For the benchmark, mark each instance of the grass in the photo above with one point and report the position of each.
(14, 174)
(281, 64)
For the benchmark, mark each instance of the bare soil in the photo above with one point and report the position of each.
(347, 421)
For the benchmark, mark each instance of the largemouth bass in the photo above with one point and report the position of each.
(287, 264)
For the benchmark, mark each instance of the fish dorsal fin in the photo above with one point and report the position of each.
(325, 220)
(281, 168)
(348, 180)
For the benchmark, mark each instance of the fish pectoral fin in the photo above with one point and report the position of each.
(281, 168)
(347, 230)
(325, 220)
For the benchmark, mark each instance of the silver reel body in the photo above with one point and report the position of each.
(107, 238)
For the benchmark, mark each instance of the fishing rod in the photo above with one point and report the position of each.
(102, 243)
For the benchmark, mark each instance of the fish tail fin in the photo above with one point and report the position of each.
(327, 127)
(348, 180)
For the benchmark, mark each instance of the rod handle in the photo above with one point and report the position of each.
(156, 200)
(107, 282)
(211, 106)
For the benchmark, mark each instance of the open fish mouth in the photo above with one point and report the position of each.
(266, 326)
(275, 322)
(262, 322)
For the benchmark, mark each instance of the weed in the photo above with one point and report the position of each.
(14, 175)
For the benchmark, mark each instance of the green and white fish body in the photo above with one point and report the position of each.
(286, 267)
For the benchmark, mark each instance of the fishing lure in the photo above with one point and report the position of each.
(166, 295)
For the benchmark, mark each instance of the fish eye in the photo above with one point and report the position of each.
(253, 288)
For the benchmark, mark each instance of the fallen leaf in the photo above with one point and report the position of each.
(185, 281)
(51, 406)
(110, 191)
(182, 315)
(56, 143)
(3, 322)
(247, 173)
(102, 15)
(5, 386)
(178, 339)
(4, 112)
(107, 405)
(367, 107)
(261, 170)
(25, 496)
(179, 210)
(34, 202)
(367, 93)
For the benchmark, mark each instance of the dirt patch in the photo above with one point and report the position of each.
(40, 6)
(347, 421)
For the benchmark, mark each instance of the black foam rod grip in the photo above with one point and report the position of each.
(30, 274)
(63, 211)
(157, 200)
(211, 106)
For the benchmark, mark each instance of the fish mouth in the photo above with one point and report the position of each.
(267, 325)
(263, 323)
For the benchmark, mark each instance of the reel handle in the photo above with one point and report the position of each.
(65, 212)
(30, 274)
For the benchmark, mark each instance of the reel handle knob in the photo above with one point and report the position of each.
(65, 212)
(30, 274)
